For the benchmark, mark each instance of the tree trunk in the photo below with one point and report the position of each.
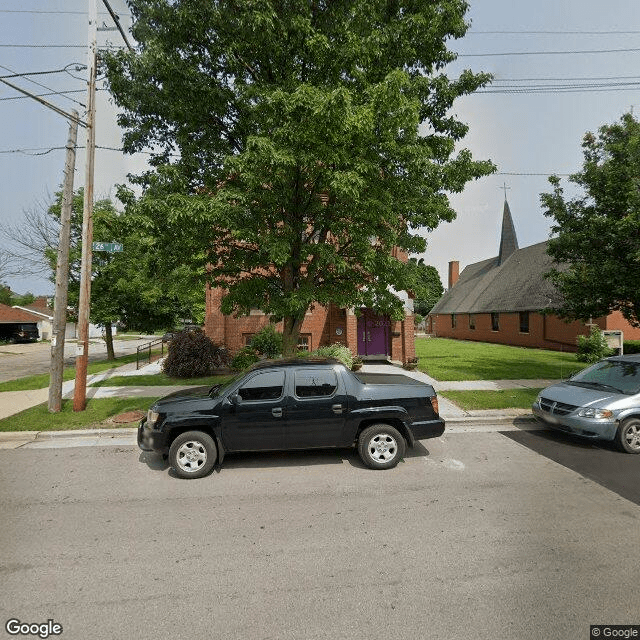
(108, 338)
(290, 336)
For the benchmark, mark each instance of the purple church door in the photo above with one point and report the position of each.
(373, 334)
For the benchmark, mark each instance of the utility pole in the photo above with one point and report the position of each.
(62, 271)
(62, 274)
(82, 353)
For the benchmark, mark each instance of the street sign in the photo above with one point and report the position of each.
(109, 247)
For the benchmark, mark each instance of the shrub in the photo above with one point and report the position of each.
(593, 347)
(337, 351)
(267, 342)
(631, 346)
(244, 358)
(191, 354)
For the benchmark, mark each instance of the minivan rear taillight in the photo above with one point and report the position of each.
(434, 404)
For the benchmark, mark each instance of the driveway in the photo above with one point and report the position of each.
(32, 358)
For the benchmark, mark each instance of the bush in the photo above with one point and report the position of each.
(631, 346)
(191, 354)
(244, 358)
(337, 351)
(593, 347)
(267, 342)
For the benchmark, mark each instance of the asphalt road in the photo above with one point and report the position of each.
(473, 536)
(599, 461)
(31, 358)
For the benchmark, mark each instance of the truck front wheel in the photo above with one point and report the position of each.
(193, 454)
(381, 446)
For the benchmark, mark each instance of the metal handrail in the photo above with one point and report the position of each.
(147, 347)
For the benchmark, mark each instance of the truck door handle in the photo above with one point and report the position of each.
(337, 408)
(277, 412)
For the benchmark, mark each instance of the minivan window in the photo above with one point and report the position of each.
(613, 375)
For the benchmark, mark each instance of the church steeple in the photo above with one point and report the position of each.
(508, 239)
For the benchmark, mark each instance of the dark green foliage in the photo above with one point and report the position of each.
(337, 351)
(192, 354)
(244, 358)
(303, 140)
(9, 298)
(126, 286)
(426, 286)
(593, 347)
(597, 244)
(631, 346)
(267, 342)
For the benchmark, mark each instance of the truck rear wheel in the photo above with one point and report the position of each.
(381, 446)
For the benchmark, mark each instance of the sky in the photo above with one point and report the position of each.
(529, 134)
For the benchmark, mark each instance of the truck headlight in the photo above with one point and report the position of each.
(596, 414)
(152, 417)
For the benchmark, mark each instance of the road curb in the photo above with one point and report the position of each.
(83, 433)
(32, 436)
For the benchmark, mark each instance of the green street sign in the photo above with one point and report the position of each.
(109, 247)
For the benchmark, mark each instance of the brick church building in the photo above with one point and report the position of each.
(502, 300)
(366, 334)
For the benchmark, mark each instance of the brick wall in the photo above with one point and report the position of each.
(324, 325)
(545, 331)
(616, 321)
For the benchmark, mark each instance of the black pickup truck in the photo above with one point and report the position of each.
(291, 404)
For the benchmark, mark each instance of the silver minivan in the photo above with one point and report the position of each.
(600, 402)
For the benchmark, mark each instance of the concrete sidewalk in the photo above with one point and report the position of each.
(458, 420)
(12, 402)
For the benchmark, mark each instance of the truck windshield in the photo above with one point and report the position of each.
(219, 389)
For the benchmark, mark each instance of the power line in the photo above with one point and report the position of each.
(44, 95)
(78, 67)
(558, 90)
(116, 21)
(57, 46)
(576, 78)
(553, 32)
(49, 149)
(44, 86)
(62, 12)
(545, 53)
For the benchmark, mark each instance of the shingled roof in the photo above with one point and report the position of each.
(9, 315)
(512, 281)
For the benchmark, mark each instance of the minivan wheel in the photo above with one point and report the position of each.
(381, 446)
(628, 435)
(193, 454)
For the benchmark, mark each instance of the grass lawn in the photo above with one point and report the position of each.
(41, 380)
(159, 379)
(445, 359)
(504, 399)
(95, 416)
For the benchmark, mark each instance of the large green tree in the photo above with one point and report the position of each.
(427, 287)
(596, 245)
(125, 286)
(296, 142)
